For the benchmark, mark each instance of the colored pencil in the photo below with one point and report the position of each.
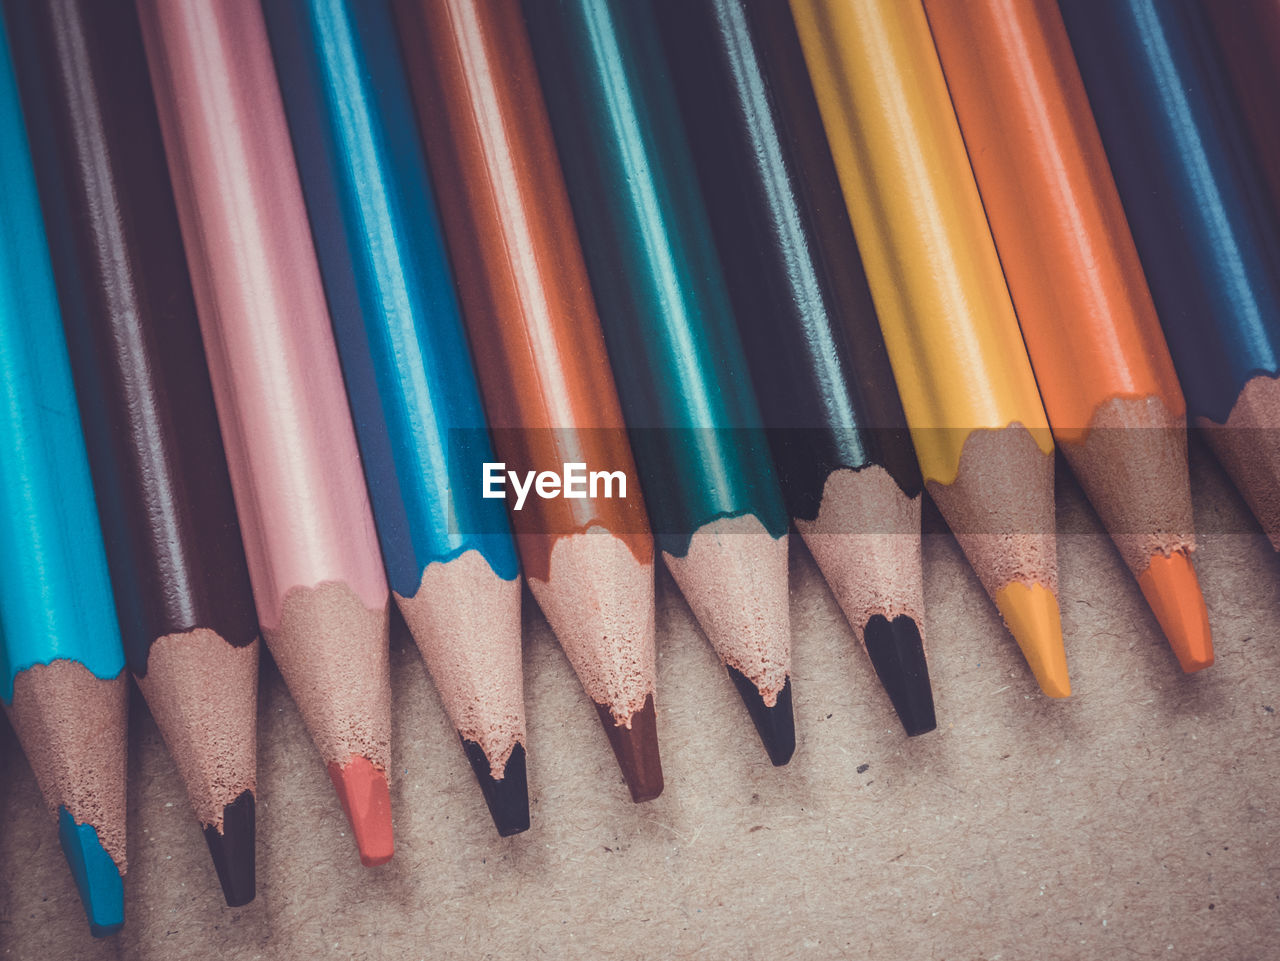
(318, 582)
(844, 459)
(164, 496)
(539, 353)
(1248, 33)
(64, 686)
(423, 438)
(686, 395)
(1090, 327)
(1201, 219)
(979, 427)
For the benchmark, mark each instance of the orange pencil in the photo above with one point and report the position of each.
(1086, 314)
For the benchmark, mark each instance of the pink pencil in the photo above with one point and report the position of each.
(317, 575)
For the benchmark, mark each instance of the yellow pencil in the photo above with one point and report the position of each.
(971, 401)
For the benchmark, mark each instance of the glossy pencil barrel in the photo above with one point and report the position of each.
(979, 428)
(809, 329)
(317, 575)
(1086, 315)
(423, 435)
(1201, 217)
(682, 375)
(63, 684)
(164, 495)
(548, 391)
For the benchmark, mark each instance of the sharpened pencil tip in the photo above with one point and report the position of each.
(508, 799)
(896, 650)
(366, 799)
(96, 875)
(776, 725)
(1031, 614)
(636, 748)
(233, 850)
(1172, 589)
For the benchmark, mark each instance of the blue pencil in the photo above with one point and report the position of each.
(423, 438)
(1201, 217)
(64, 686)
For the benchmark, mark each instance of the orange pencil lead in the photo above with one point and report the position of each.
(1173, 591)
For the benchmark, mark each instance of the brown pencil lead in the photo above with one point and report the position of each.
(636, 747)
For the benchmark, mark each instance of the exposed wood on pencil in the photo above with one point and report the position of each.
(71, 725)
(1250, 451)
(1205, 227)
(466, 620)
(674, 346)
(203, 693)
(61, 660)
(866, 540)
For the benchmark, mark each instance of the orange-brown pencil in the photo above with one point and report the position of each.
(1086, 314)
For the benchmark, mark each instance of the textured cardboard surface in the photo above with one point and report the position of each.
(1138, 819)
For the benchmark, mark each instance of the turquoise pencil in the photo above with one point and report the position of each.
(63, 682)
(423, 437)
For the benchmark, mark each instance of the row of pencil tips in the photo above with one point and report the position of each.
(309, 307)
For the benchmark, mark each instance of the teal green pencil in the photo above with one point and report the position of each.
(700, 446)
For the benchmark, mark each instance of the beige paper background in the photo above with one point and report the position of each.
(1139, 819)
